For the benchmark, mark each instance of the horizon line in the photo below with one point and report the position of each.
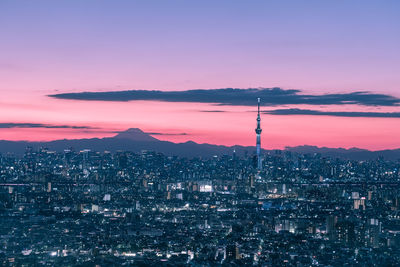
(228, 146)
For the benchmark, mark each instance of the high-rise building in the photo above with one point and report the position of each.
(345, 232)
(374, 228)
(258, 132)
(331, 221)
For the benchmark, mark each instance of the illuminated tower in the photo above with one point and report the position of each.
(258, 132)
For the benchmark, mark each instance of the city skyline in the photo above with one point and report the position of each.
(318, 50)
(199, 133)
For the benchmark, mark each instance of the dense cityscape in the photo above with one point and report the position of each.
(200, 133)
(102, 208)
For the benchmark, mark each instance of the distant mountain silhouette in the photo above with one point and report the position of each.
(135, 134)
(351, 153)
(132, 139)
(136, 140)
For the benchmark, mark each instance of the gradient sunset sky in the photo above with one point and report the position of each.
(342, 58)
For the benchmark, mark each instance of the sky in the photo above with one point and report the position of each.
(327, 71)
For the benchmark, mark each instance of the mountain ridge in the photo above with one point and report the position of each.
(134, 139)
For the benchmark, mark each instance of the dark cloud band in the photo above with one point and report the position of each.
(296, 111)
(41, 125)
(245, 97)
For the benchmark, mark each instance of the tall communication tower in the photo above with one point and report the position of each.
(258, 132)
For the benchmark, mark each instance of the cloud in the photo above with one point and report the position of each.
(7, 125)
(213, 111)
(295, 111)
(175, 134)
(245, 97)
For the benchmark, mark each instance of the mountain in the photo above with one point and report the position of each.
(135, 134)
(351, 153)
(136, 140)
(132, 139)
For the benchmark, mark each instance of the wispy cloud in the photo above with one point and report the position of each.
(245, 97)
(213, 111)
(5, 125)
(168, 134)
(295, 111)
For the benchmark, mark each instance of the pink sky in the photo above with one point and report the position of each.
(235, 126)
